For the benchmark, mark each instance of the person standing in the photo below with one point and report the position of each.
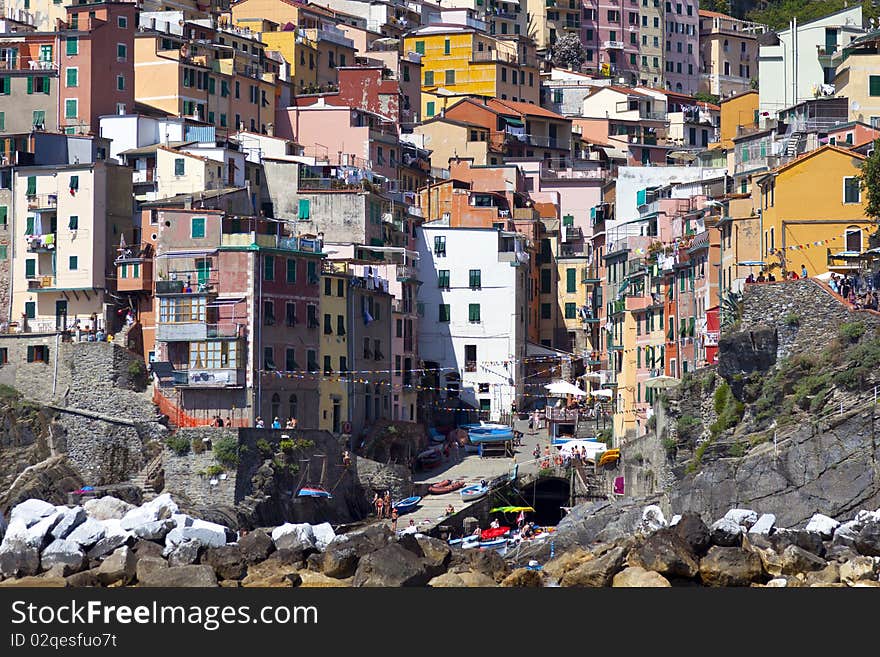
(387, 504)
(803, 271)
(380, 507)
(394, 520)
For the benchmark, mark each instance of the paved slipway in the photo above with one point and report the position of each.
(471, 469)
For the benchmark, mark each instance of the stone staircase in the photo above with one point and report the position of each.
(147, 474)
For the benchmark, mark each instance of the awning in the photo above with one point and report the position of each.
(514, 122)
(564, 388)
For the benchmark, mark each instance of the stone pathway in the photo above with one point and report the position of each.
(471, 468)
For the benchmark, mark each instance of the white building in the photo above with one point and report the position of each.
(794, 69)
(474, 295)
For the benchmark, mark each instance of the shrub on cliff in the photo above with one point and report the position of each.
(852, 331)
(226, 451)
(178, 444)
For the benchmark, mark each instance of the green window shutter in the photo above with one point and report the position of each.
(446, 47)
(30, 309)
(123, 272)
(6, 86)
(450, 76)
(638, 356)
(305, 206)
(137, 270)
(212, 85)
(429, 78)
(443, 278)
(420, 47)
(570, 311)
(72, 77)
(568, 220)
(291, 270)
(874, 85)
(72, 45)
(73, 263)
(46, 85)
(197, 227)
(30, 354)
(30, 84)
(29, 227)
(73, 222)
(444, 314)
(179, 166)
(429, 108)
(3, 254)
(570, 284)
(39, 117)
(640, 196)
(474, 312)
(312, 272)
(4, 211)
(269, 268)
(2, 120)
(31, 190)
(70, 109)
(30, 268)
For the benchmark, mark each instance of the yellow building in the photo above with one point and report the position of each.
(857, 77)
(626, 404)
(459, 61)
(814, 198)
(738, 112)
(300, 52)
(334, 347)
(576, 281)
(740, 228)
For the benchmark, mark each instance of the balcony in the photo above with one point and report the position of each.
(572, 25)
(652, 116)
(42, 201)
(470, 366)
(41, 283)
(590, 275)
(825, 54)
(197, 331)
(407, 273)
(573, 173)
(208, 378)
(134, 269)
(572, 233)
(143, 176)
(27, 64)
(251, 239)
(41, 243)
(613, 45)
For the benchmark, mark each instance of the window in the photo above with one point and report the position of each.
(570, 284)
(304, 209)
(377, 350)
(73, 222)
(328, 287)
(429, 108)
(120, 83)
(853, 239)
(340, 325)
(179, 166)
(474, 312)
(429, 78)
(197, 228)
(546, 311)
(570, 311)
(2, 120)
(440, 245)
(121, 52)
(37, 353)
(73, 263)
(443, 313)
(328, 366)
(290, 363)
(72, 77)
(30, 268)
(72, 45)
(446, 47)
(4, 212)
(851, 190)
(122, 21)
(420, 47)
(268, 312)
(343, 364)
(268, 268)
(475, 279)
(470, 358)
(70, 108)
(312, 273)
(312, 358)
(545, 281)
(450, 76)
(268, 358)
(874, 85)
(328, 324)
(30, 309)
(443, 279)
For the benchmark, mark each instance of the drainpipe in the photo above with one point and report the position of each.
(55, 366)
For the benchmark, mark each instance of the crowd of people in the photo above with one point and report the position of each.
(859, 290)
(259, 423)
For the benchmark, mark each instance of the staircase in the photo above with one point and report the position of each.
(590, 485)
(143, 478)
(792, 144)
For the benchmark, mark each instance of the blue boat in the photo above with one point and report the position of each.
(490, 433)
(313, 491)
(436, 436)
(499, 544)
(407, 505)
(473, 493)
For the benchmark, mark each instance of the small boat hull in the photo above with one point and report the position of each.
(313, 492)
(407, 505)
(444, 488)
(473, 493)
(497, 544)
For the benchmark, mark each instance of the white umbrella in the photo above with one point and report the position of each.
(824, 277)
(662, 381)
(564, 388)
(596, 376)
(591, 447)
(602, 393)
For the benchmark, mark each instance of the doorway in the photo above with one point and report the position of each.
(61, 314)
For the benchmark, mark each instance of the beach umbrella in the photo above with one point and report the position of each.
(662, 381)
(564, 388)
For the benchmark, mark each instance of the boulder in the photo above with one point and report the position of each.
(436, 552)
(184, 554)
(771, 561)
(523, 578)
(32, 511)
(86, 578)
(201, 576)
(107, 508)
(846, 533)
(310, 580)
(31, 582)
(865, 583)
(114, 537)
(227, 561)
(730, 566)
(858, 568)
(667, 553)
(464, 579)
(323, 534)
(207, 533)
(155, 530)
(272, 573)
(64, 553)
(487, 562)
(830, 574)
(675, 520)
(392, 566)
(694, 531)
(70, 519)
(160, 508)
(797, 560)
(147, 549)
(822, 525)
(726, 532)
(597, 572)
(342, 554)
(743, 517)
(255, 546)
(88, 533)
(652, 519)
(568, 560)
(39, 534)
(868, 541)
(291, 535)
(18, 558)
(146, 565)
(777, 583)
(637, 577)
(764, 525)
(121, 567)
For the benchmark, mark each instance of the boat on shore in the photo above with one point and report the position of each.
(444, 487)
(493, 533)
(473, 493)
(406, 505)
(313, 491)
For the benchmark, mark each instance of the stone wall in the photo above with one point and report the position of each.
(818, 311)
(375, 477)
(186, 478)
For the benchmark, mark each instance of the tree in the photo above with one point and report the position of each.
(869, 181)
(706, 97)
(569, 52)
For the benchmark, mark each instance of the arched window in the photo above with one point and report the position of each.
(292, 404)
(276, 406)
(726, 45)
(853, 239)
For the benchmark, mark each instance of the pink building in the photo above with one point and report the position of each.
(617, 36)
(682, 53)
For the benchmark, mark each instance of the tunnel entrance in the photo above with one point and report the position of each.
(547, 496)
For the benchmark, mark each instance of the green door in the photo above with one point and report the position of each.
(203, 271)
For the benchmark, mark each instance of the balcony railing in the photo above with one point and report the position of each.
(612, 45)
(568, 173)
(407, 273)
(301, 244)
(27, 64)
(41, 283)
(143, 176)
(208, 378)
(572, 233)
(590, 275)
(41, 243)
(42, 201)
(196, 331)
(470, 366)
